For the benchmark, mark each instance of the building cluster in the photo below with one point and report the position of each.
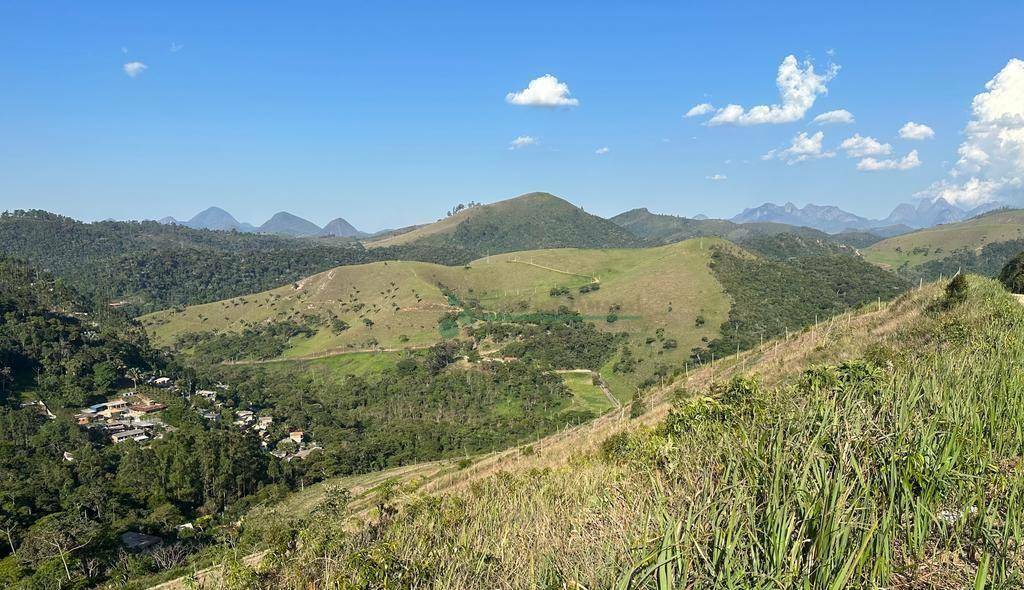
(129, 417)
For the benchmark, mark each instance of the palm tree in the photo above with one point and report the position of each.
(135, 374)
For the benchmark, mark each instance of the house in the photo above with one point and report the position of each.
(244, 417)
(296, 436)
(210, 415)
(162, 382)
(84, 418)
(264, 422)
(139, 410)
(207, 393)
(136, 434)
(114, 407)
(133, 541)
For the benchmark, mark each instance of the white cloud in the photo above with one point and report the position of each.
(798, 87)
(717, 177)
(176, 47)
(700, 109)
(906, 163)
(914, 130)
(134, 68)
(602, 151)
(839, 116)
(991, 164)
(545, 91)
(804, 147)
(522, 141)
(858, 146)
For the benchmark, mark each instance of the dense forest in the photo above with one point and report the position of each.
(66, 493)
(770, 296)
(529, 222)
(146, 266)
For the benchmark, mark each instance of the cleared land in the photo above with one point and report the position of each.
(938, 242)
(393, 305)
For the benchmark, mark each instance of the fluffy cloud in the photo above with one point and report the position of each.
(134, 68)
(799, 86)
(545, 91)
(906, 163)
(804, 147)
(914, 130)
(839, 116)
(602, 151)
(700, 109)
(858, 146)
(717, 177)
(522, 141)
(991, 156)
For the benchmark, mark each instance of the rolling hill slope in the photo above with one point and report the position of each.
(658, 293)
(921, 247)
(526, 222)
(667, 301)
(720, 473)
(775, 240)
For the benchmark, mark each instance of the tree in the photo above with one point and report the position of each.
(136, 375)
(1012, 275)
(6, 377)
(60, 534)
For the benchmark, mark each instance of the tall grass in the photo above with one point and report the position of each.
(899, 470)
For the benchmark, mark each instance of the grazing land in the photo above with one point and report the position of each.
(927, 245)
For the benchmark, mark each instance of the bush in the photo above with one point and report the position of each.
(1012, 275)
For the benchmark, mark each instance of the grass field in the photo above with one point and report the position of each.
(880, 449)
(938, 242)
(587, 396)
(396, 305)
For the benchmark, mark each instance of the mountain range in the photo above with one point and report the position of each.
(281, 224)
(832, 219)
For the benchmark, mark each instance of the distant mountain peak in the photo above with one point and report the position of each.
(340, 228)
(214, 218)
(828, 218)
(288, 224)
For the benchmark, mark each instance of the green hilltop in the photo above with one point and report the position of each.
(527, 222)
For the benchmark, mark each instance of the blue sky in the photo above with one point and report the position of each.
(388, 113)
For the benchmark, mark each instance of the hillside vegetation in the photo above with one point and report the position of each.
(144, 266)
(774, 240)
(528, 222)
(965, 240)
(665, 293)
(878, 450)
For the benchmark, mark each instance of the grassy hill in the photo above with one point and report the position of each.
(664, 293)
(526, 222)
(667, 301)
(879, 449)
(921, 247)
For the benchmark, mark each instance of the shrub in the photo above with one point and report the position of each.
(1012, 275)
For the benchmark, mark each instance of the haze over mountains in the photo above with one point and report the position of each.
(282, 224)
(832, 219)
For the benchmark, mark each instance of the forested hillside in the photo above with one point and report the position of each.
(774, 240)
(67, 493)
(528, 222)
(145, 266)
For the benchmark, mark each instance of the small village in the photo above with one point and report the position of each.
(136, 416)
